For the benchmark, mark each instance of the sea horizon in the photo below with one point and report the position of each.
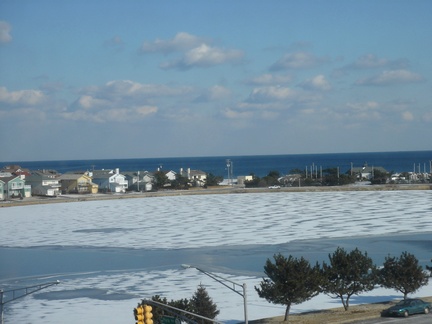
(212, 156)
(260, 165)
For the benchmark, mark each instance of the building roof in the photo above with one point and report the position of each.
(14, 167)
(71, 176)
(8, 179)
(42, 175)
(368, 169)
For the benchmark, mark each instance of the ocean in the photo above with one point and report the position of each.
(260, 165)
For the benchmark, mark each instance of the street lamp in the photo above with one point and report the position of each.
(224, 281)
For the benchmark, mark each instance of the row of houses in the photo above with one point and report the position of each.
(17, 182)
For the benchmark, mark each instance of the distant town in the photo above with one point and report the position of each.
(20, 183)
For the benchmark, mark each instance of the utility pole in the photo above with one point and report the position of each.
(229, 165)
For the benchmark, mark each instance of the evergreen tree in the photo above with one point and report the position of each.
(348, 274)
(202, 304)
(403, 274)
(213, 180)
(290, 281)
(331, 177)
(180, 182)
(255, 182)
(429, 268)
(161, 179)
(157, 311)
(379, 177)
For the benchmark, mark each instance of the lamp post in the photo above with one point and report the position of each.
(224, 281)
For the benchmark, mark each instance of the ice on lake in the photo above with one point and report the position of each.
(248, 222)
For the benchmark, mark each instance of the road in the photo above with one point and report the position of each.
(417, 319)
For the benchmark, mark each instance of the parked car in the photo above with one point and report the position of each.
(274, 187)
(408, 307)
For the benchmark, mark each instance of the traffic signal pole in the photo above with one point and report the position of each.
(15, 294)
(232, 286)
(167, 307)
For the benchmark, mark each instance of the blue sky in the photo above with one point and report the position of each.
(135, 79)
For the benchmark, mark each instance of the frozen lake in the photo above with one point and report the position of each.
(110, 254)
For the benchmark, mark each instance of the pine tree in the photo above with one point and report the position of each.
(290, 281)
(160, 312)
(429, 268)
(348, 274)
(202, 304)
(403, 274)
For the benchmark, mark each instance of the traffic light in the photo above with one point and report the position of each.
(143, 314)
(148, 315)
(139, 314)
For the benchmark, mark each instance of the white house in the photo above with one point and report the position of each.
(171, 175)
(109, 180)
(196, 177)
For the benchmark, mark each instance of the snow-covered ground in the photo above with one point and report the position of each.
(193, 222)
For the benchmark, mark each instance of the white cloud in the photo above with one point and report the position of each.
(298, 60)
(270, 79)
(88, 102)
(5, 29)
(111, 113)
(219, 92)
(146, 110)
(123, 100)
(195, 52)
(273, 102)
(181, 42)
(371, 61)
(204, 56)
(427, 117)
(356, 111)
(129, 89)
(363, 106)
(407, 116)
(318, 82)
(215, 93)
(51, 87)
(115, 42)
(28, 105)
(391, 77)
(21, 97)
(237, 114)
(272, 93)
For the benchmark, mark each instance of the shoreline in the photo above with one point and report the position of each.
(36, 200)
